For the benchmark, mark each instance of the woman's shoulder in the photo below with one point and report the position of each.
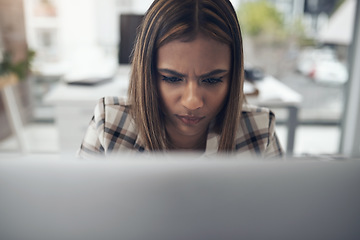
(115, 124)
(256, 132)
(113, 111)
(249, 108)
(114, 105)
(256, 113)
(255, 119)
(255, 129)
(113, 101)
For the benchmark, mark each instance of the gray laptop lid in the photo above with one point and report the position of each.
(179, 199)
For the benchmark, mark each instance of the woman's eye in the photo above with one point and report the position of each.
(212, 80)
(171, 79)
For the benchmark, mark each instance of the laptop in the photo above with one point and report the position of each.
(178, 197)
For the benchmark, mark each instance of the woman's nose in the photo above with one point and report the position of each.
(191, 97)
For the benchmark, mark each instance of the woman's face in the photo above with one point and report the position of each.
(193, 81)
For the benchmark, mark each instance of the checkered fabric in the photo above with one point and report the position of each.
(112, 130)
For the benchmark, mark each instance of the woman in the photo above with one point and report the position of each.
(186, 88)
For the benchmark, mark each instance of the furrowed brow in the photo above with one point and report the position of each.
(172, 72)
(212, 73)
(209, 74)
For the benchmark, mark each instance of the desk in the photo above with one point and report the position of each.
(74, 105)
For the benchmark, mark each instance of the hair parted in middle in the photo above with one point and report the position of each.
(168, 20)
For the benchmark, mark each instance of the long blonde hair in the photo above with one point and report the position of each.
(168, 20)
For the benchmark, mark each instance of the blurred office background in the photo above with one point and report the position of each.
(82, 47)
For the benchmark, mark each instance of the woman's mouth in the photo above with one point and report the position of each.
(189, 120)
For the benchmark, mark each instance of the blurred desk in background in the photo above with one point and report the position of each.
(74, 105)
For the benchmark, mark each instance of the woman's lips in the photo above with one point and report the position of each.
(190, 120)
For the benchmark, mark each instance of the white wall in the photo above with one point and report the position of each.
(83, 23)
(107, 23)
(74, 26)
(77, 25)
(140, 6)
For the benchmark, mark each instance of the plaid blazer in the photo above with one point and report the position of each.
(112, 130)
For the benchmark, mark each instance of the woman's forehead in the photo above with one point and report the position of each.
(202, 52)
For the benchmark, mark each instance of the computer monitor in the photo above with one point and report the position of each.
(181, 197)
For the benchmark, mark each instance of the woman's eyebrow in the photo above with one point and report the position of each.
(209, 74)
(214, 72)
(172, 72)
